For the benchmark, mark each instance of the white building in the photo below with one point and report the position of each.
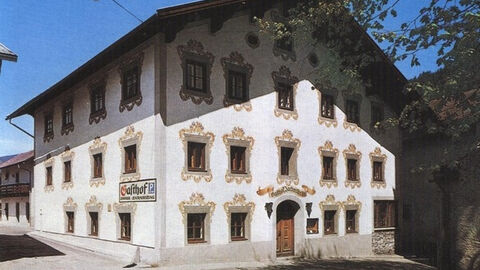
(15, 178)
(250, 160)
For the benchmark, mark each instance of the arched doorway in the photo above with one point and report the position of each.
(286, 211)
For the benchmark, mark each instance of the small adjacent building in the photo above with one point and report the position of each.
(16, 174)
(7, 55)
(195, 139)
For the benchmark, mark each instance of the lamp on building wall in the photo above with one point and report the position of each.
(269, 208)
(308, 207)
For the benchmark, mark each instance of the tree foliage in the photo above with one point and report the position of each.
(450, 27)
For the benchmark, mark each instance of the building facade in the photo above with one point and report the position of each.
(204, 141)
(15, 184)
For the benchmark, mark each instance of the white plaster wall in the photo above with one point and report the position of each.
(83, 131)
(49, 211)
(12, 218)
(263, 126)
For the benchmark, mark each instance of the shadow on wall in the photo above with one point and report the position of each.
(13, 247)
(350, 264)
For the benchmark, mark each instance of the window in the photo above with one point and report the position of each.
(328, 108)
(196, 76)
(196, 156)
(384, 214)
(97, 166)
(329, 222)
(312, 225)
(17, 211)
(328, 168)
(131, 83)
(49, 176)
(237, 226)
(350, 225)
(68, 171)
(27, 210)
(286, 42)
(196, 228)
(377, 113)
(286, 156)
(125, 226)
(7, 175)
(352, 112)
(48, 124)
(131, 158)
(377, 171)
(70, 221)
(237, 159)
(93, 223)
(352, 169)
(237, 86)
(97, 100)
(68, 115)
(6, 210)
(285, 96)
(17, 177)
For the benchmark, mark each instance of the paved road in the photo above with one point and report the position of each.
(380, 263)
(22, 252)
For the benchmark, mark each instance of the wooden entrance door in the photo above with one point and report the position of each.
(285, 228)
(285, 237)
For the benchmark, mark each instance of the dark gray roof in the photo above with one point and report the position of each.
(7, 54)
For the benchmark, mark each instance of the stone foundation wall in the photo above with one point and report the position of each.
(383, 242)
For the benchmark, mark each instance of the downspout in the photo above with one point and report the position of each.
(21, 129)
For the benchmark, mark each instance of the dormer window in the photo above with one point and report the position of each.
(285, 96)
(377, 114)
(327, 109)
(48, 135)
(196, 76)
(237, 86)
(352, 112)
(131, 86)
(67, 119)
(130, 73)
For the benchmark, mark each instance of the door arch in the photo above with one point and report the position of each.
(285, 228)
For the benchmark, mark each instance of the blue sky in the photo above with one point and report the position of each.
(54, 37)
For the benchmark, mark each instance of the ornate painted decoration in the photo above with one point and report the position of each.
(287, 139)
(68, 155)
(252, 40)
(125, 207)
(97, 147)
(93, 204)
(134, 61)
(69, 205)
(239, 200)
(236, 62)
(194, 50)
(284, 75)
(196, 199)
(270, 190)
(328, 151)
(48, 163)
(377, 155)
(196, 131)
(329, 202)
(238, 138)
(352, 153)
(351, 203)
(130, 137)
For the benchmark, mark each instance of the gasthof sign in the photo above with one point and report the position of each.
(138, 191)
